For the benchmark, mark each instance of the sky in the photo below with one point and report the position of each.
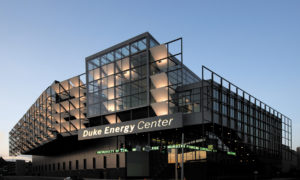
(254, 44)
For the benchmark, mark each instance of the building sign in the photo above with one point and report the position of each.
(132, 127)
(156, 148)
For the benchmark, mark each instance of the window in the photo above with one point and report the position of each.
(138, 59)
(152, 43)
(53, 167)
(70, 165)
(216, 118)
(118, 161)
(64, 166)
(84, 163)
(231, 113)
(239, 105)
(232, 124)
(231, 102)
(239, 116)
(224, 98)
(58, 166)
(224, 121)
(196, 107)
(94, 163)
(104, 162)
(215, 94)
(216, 106)
(224, 109)
(125, 51)
(138, 46)
(77, 165)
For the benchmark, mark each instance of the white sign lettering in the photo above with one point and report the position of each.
(132, 127)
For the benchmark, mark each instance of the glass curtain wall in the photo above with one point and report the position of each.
(117, 80)
(244, 121)
(60, 109)
(167, 73)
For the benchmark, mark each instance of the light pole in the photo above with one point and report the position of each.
(182, 156)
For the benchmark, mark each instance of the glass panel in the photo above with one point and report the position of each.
(153, 43)
(94, 63)
(118, 54)
(142, 44)
(110, 57)
(104, 94)
(110, 81)
(138, 60)
(122, 65)
(133, 48)
(138, 46)
(94, 109)
(111, 106)
(107, 70)
(111, 94)
(104, 60)
(125, 51)
(104, 83)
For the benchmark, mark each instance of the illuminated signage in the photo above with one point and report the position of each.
(156, 148)
(132, 127)
(231, 153)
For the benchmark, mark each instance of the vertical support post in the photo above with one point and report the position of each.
(148, 71)
(168, 85)
(176, 164)
(182, 156)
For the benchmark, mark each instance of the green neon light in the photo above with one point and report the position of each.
(153, 148)
(210, 147)
(231, 153)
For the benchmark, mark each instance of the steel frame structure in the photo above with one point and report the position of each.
(244, 123)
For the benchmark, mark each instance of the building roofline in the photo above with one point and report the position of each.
(119, 45)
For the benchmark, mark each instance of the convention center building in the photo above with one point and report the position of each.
(139, 112)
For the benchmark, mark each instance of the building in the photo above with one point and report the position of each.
(14, 168)
(298, 158)
(138, 111)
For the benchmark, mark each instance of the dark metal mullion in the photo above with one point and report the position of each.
(69, 106)
(79, 102)
(168, 102)
(202, 100)
(114, 100)
(59, 111)
(221, 108)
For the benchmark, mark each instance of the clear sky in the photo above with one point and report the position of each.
(254, 44)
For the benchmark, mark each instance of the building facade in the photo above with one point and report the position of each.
(138, 111)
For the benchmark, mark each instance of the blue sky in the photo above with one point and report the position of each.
(254, 44)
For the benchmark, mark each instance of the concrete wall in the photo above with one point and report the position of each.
(88, 153)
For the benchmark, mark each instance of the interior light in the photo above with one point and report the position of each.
(126, 74)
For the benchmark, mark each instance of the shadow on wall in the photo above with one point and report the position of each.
(41, 178)
(30, 178)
